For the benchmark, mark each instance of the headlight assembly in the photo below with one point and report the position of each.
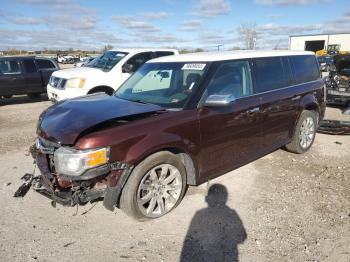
(73, 162)
(75, 83)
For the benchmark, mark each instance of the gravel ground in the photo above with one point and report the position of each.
(283, 207)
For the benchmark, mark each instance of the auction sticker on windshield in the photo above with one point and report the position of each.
(199, 67)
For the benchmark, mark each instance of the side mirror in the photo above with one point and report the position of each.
(128, 68)
(219, 100)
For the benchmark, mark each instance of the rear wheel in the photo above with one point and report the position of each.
(304, 134)
(155, 187)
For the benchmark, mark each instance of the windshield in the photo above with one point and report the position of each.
(169, 85)
(107, 61)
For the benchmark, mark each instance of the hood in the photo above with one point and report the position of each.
(342, 64)
(66, 120)
(81, 72)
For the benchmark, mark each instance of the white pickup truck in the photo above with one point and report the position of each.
(103, 74)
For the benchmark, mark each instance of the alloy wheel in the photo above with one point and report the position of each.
(159, 190)
(307, 132)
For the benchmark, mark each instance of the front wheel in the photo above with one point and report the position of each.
(155, 187)
(304, 134)
(34, 95)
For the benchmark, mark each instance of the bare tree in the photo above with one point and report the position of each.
(248, 33)
(106, 48)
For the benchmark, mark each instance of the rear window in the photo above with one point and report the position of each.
(163, 53)
(9, 67)
(269, 74)
(29, 66)
(305, 68)
(45, 64)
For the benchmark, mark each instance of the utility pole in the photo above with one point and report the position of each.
(218, 46)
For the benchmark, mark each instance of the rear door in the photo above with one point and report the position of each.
(32, 77)
(279, 100)
(230, 135)
(11, 78)
(46, 68)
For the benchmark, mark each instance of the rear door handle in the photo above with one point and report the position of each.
(296, 98)
(253, 110)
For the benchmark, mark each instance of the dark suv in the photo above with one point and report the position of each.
(178, 121)
(25, 75)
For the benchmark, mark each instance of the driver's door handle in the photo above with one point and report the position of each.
(253, 110)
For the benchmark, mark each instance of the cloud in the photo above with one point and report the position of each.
(155, 15)
(25, 20)
(191, 25)
(72, 23)
(160, 38)
(135, 24)
(69, 6)
(277, 29)
(56, 39)
(289, 2)
(212, 8)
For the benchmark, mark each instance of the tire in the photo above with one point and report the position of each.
(140, 187)
(107, 90)
(304, 133)
(34, 95)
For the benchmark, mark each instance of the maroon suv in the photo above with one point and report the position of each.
(178, 121)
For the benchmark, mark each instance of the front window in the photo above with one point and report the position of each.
(9, 67)
(107, 61)
(169, 85)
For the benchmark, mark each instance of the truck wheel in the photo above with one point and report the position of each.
(34, 95)
(155, 187)
(304, 134)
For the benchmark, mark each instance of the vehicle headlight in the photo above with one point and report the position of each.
(75, 83)
(71, 162)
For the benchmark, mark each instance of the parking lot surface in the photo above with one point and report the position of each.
(283, 207)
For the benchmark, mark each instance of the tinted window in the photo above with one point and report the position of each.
(29, 66)
(45, 64)
(269, 74)
(163, 53)
(305, 68)
(231, 78)
(9, 67)
(138, 60)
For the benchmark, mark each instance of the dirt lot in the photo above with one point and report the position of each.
(283, 207)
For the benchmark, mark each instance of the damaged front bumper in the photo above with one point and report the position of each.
(103, 182)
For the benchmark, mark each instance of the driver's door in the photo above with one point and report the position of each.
(231, 135)
(135, 61)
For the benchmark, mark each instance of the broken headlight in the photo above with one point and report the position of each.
(71, 162)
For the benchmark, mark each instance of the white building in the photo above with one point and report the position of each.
(330, 42)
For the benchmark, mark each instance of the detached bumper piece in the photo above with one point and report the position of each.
(334, 127)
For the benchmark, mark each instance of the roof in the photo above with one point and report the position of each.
(137, 50)
(348, 33)
(229, 55)
(18, 57)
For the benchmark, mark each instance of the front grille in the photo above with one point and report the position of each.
(57, 82)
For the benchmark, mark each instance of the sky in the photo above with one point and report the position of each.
(90, 25)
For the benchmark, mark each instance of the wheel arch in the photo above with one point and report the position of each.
(107, 89)
(191, 170)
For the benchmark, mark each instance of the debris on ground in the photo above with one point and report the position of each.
(334, 127)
